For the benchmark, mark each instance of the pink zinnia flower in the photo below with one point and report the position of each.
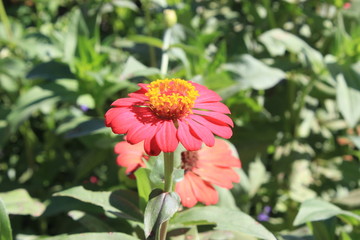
(166, 112)
(204, 168)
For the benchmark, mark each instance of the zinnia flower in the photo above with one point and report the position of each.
(204, 168)
(166, 112)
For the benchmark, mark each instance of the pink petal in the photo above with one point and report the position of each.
(139, 94)
(215, 116)
(185, 191)
(206, 95)
(140, 132)
(123, 121)
(213, 106)
(126, 102)
(223, 131)
(166, 136)
(190, 142)
(203, 191)
(202, 132)
(151, 147)
(222, 177)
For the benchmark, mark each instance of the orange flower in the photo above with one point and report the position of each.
(166, 112)
(203, 168)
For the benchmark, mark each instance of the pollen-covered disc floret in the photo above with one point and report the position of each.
(171, 98)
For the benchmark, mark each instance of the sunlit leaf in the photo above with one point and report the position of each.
(316, 210)
(224, 219)
(134, 68)
(347, 100)
(121, 203)
(143, 186)
(19, 202)
(252, 73)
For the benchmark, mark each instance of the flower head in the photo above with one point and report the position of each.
(203, 169)
(166, 112)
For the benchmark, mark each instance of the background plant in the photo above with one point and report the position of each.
(288, 70)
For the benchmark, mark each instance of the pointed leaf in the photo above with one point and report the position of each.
(5, 227)
(347, 100)
(224, 219)
(252, 73)
(160, 209)
(121, 203)
(143, 186)
(317, 209)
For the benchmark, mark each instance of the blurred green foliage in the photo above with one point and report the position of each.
(288, 69)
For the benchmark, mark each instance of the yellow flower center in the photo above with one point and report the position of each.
(171, 98)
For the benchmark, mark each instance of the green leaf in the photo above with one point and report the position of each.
(40, 97)
(86, 100)
(121, 203)
(257, 175)
(347, 100)
(143, 186)
(147, 40)
(317, 209)
(252, 73)
(324, 229)
(87, 127)
(160, 209)
(277, 41)
(19, 202)
(134, 68)
(50, 71)
(351, 200)
(125, 4)
(224, 219)
(91, 236)
(93, 224)
(5, 227)
(355, 140)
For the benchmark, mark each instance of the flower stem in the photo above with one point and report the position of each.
(168, 171)
(168, 176)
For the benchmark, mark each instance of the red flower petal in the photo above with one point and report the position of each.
(203, 191)
(126, 102)
(205, 94)
(213, 106)
(151, 147)
(185, 191)
(190, 142)
(166, 136)
(222, 177)
(223, 131)
(140, 132)
(139, 94)
(215, 116)
(202, 132)
(120, 120)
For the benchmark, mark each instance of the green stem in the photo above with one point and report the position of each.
(168, 176)
(4, 18)
(168, 171)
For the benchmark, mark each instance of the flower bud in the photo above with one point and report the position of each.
(170, 17)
